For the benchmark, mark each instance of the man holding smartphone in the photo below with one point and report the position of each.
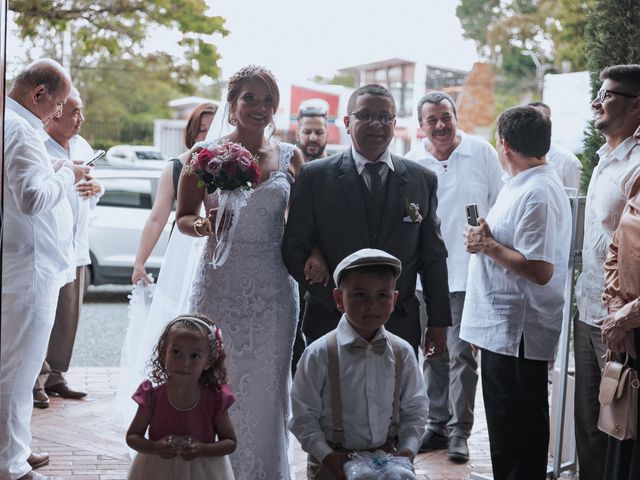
(515, 294)
(468, 173)
(65, 143)
(36, 249)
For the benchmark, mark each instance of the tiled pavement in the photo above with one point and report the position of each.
(86, 437)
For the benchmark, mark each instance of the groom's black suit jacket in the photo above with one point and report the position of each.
(330, 209)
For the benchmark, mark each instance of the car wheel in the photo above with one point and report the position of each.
(87, 279)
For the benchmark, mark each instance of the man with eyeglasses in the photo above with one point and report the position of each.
(366, 197)
(616, 115)
(468, 172)
(313, 132)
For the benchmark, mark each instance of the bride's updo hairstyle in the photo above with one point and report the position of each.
(257, 72)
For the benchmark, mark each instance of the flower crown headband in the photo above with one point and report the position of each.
(214, 336)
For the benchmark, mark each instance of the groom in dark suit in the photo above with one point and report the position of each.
(367, 197)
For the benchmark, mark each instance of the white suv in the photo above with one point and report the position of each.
(134, 156)
(116, 225)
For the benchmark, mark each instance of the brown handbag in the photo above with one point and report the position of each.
(618, 399)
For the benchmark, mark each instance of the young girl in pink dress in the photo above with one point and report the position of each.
(189, 431)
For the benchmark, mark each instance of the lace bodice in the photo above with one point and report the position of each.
(262, 219)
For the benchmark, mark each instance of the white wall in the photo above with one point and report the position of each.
(168, 136)
(569, 96)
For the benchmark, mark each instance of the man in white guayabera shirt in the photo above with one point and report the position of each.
(65, 143)
(616, 115)
(468, 172)
(37, 252)
(515, 294)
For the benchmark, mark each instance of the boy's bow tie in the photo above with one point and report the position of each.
(358, 344)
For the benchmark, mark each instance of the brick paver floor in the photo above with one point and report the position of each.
(85, 438)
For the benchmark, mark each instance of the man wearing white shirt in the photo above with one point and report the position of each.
(65, 143)
(37, 253)
(616, 115)
(565, 163)
(468, 172)
(513, 308)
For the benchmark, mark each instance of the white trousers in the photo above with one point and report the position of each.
(26, 322)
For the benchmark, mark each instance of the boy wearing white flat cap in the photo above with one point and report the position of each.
(359, 387)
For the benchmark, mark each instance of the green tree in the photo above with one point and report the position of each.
(569, 21)
(612, 38)
(553, 29)
(122, 97)
(101, 28)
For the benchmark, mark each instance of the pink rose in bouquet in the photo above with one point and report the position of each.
(225, 166)
(230, 169)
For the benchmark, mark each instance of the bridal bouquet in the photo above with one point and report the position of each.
(232, 170)
(226, 166)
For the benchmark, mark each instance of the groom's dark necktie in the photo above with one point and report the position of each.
(375, 182)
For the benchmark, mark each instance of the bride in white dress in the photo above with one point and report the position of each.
(251, 296)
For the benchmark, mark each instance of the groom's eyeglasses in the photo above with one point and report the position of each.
(367, 117)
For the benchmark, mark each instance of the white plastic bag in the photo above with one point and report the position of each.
(378, 465)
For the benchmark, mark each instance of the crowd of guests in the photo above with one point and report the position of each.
(349, 238)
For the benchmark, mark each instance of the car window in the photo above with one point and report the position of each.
(126, 192)
(148, 155)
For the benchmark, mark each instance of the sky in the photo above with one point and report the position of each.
(298, 39)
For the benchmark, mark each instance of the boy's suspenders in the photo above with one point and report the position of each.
(336, 399)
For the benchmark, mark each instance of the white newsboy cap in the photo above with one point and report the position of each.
(365, 258)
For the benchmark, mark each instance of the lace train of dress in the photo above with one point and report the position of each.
(255, 302)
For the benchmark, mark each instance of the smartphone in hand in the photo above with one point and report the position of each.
(99, 154)
(472, 214)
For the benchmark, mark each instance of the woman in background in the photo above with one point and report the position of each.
(195, 131)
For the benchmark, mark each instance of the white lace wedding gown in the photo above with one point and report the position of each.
(255, 302)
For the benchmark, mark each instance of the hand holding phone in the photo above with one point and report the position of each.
(472, 214)
(99, 154)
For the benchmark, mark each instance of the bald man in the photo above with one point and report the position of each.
(37, 256)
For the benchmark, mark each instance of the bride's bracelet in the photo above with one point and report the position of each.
(197, 223)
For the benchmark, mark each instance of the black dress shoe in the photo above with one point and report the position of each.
(65, 391)
(458, 449)
(37, 460)
(433, 441)
(40, 399)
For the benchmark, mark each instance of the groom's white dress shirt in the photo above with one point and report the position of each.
(361, 161)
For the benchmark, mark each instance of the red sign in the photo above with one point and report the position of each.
(301, 96)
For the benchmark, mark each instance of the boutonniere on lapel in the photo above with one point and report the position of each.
(413, 212)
